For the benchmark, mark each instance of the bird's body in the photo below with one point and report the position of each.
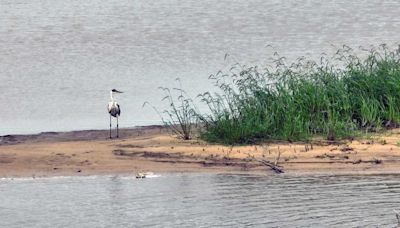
(114, 109)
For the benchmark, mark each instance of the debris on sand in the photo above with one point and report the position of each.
(145, 175)
(346, 148)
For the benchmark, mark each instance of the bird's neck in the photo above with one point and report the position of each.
(111, 96)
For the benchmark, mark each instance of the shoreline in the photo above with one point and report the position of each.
(152, 148)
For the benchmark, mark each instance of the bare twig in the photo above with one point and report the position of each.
(277, 157)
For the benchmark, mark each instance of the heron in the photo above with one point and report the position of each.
(113, 109)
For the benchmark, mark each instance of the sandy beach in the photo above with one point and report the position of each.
(154, 149)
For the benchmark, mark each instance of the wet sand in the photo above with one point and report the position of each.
(154, 149)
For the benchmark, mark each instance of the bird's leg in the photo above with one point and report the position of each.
(110, 127)
(117, 128)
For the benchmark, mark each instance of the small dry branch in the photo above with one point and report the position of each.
(273, 165)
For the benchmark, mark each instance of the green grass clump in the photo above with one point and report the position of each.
(333, 98)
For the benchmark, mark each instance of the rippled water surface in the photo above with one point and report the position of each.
(200, 200)
(59, 59)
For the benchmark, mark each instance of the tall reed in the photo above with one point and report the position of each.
(334, 98)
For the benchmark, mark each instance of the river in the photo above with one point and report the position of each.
(59, 59)
(200, 200)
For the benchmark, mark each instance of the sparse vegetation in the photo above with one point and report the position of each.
(382, 142)
(180, 117)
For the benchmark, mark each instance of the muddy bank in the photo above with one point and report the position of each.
(154, 149)
(84, 135)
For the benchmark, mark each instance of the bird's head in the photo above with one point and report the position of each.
(116, 91)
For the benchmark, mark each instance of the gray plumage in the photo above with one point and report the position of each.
(114, 109)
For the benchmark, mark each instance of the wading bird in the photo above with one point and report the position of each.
(113, 109)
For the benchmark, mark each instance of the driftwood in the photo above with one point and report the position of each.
(273, 165)
(398, 218)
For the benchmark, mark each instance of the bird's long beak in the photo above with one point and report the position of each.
(117, 91)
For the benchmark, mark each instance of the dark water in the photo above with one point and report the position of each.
(201, 200)
(59, 59)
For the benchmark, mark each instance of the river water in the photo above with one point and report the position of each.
(200, 200)
(59, 59)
